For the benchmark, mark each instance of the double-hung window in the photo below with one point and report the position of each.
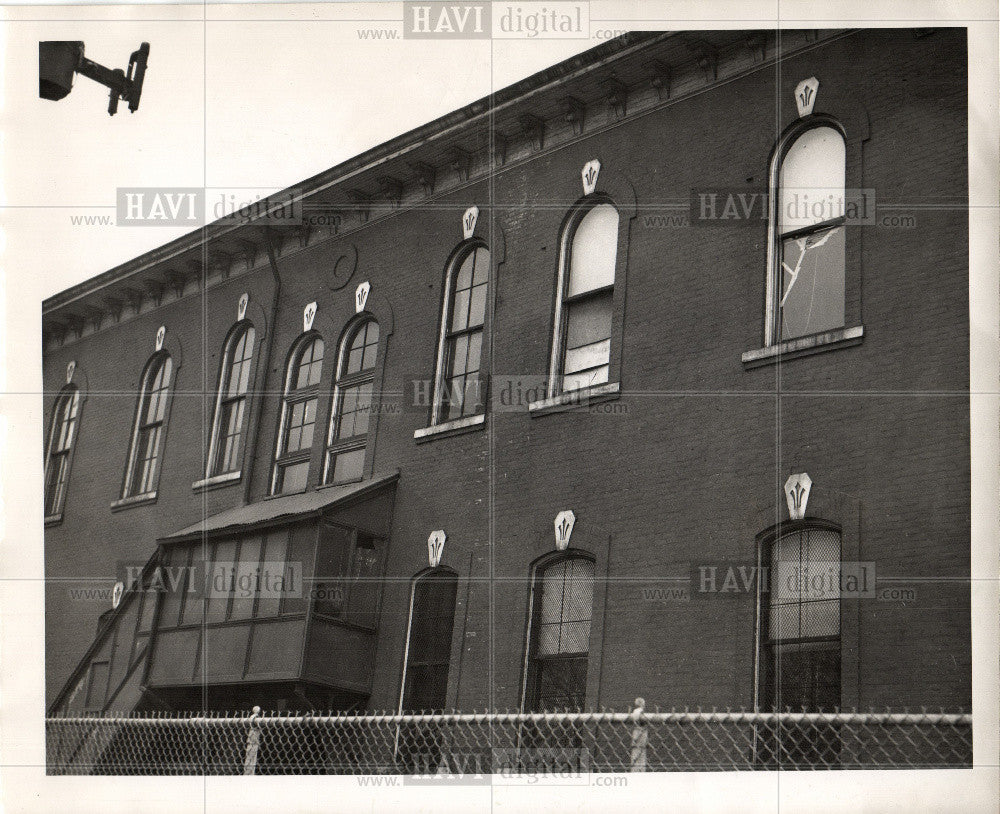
(61, 438)
(799, 649)
(800, 622)
(581, 353)
(353, 397)
(458, 389)
(226, 443)
(298, 416)
(143, 469)
(806, 285)
(559, 641)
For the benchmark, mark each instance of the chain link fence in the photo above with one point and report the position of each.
(504, 743)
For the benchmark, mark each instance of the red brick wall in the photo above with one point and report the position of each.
(692, 471)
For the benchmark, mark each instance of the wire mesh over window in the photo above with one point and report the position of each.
(800, 652)
(291, 470)
(560, 636)
(61, 438)
(353, 400)
(147, 440)
(234, 380)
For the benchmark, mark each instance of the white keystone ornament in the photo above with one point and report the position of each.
(797, 494)
(469, 221)
(361, 296)
(70, 370)
(161, 334)
(241, 307)
(564, 528)
(589, 174)
(308, 315)
(116, 594)
(805, 95)
(435, 547)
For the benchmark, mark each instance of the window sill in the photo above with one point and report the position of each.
(456, 427)
(276, 495)
(573, 399)
(216, 481)
(333, 483)
(136, 500)
(53, 519)
(804, 346)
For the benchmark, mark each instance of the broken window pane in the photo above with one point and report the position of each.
(812, 283)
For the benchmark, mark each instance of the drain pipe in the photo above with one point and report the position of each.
(271, 331)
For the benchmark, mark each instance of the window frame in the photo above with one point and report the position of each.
(438, 572)
(557, 357)
(346, 582)
(289, 398)
(157, 361)
(341, 382)
(762, 639)
(235, 335)
(772, 288)
(529, 679)
(69, 395)
(445, 333)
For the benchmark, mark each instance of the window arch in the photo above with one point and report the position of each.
(427, 657)
(350, 414)
(62, 435)
(298, 415)
(806, 275)
(562, 596)
(458, 390)
(581, 349)
(226, 443)
(143, 469)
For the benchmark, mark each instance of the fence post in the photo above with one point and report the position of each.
(253, 743)
(640, 737)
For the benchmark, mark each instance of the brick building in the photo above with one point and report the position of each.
(528, 308)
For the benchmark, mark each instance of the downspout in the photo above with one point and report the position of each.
(271, 331)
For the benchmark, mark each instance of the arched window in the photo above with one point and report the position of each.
(806, 278)
(458, 390)
(428, 641)
(581, 351)
(143, 471)
(799, 650)
(62, 434)
(559, 642)
(226, 445)
(298, 416)
(352, 403)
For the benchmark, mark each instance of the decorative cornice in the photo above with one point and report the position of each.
(574, 111)
(460, 161)
(426, 174)
(626, 77)
(659, 77)
(617, 96)
(533, 128)
(392, 189)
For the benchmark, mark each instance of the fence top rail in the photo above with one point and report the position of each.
(637, 716)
